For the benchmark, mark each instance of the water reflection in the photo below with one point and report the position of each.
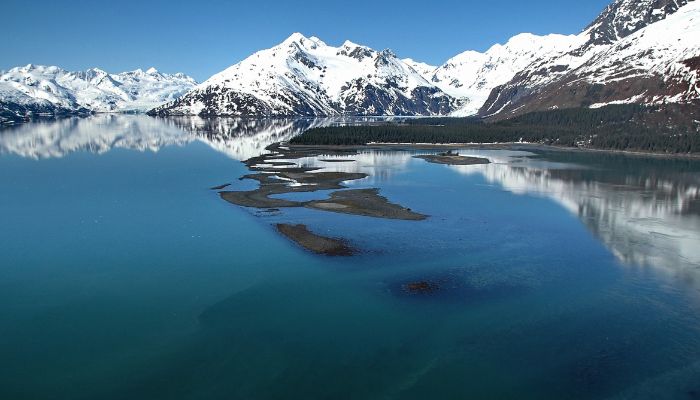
(98, 134)
(646, 215)
(237, 138)
(645, 210)
(380, 165)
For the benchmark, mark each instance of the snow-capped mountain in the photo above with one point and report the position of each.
(471, 75)
(636, 51)
(625, 17)
(51, 90)
(422, 68)
(306, 77)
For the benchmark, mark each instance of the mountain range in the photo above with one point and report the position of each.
(305, 76)
(635, 51)
(49, 90)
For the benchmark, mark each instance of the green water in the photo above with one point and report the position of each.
(122, 276)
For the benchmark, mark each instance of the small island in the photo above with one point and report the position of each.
(275, 179)
(318, 244)
(365, 202)
(452, 158)
(276, 175)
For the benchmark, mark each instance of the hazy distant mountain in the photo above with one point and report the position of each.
(36, 89)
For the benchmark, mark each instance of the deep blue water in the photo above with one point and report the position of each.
(562, 274)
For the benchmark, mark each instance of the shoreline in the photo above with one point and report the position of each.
(488, 146)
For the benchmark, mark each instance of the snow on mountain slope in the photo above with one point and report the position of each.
(643, 51)
(625, 17)
(426, 70)
(51, 90)
(668, 50)
(636, 51)
(472, 75)
(608, 62)
(306, 77)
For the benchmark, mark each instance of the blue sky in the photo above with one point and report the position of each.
(201, 38)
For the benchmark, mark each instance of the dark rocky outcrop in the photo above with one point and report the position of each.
(11, 112)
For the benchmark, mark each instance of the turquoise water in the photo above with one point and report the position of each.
(122, 276)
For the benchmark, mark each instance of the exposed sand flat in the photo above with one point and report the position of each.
(275, 181)
(219, 187)
(365, 202)
(318, 244)
(277, 177)
(257, 199)
(329, 206)
(282, 182)
(452, 159)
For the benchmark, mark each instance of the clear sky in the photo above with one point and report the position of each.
(203, 37)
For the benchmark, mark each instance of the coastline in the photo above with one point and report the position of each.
(48, 117)
(487, 146)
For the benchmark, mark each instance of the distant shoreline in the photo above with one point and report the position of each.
(489, 146)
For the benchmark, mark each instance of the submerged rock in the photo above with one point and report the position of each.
(421, 287)
(457, 285)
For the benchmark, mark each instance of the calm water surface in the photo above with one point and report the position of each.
(122, 276)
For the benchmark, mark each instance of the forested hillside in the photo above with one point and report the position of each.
(661, 129)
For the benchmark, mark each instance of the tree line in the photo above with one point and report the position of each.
(663, 129)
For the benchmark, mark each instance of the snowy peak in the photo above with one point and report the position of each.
(471, 75)
(636, 51)
(305, 76)
(625, 17)
(489, 82)
(295, 38)
(643, 51)
(38, 89)
(426, 70)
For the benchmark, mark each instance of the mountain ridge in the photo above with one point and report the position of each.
(609, 62)
(635, 51)
(629, 54)
(33, 90)
(306, 77)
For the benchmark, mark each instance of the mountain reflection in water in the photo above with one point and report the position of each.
(239, 139)
(645, 210)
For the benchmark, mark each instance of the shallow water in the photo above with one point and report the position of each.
(561, 274)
